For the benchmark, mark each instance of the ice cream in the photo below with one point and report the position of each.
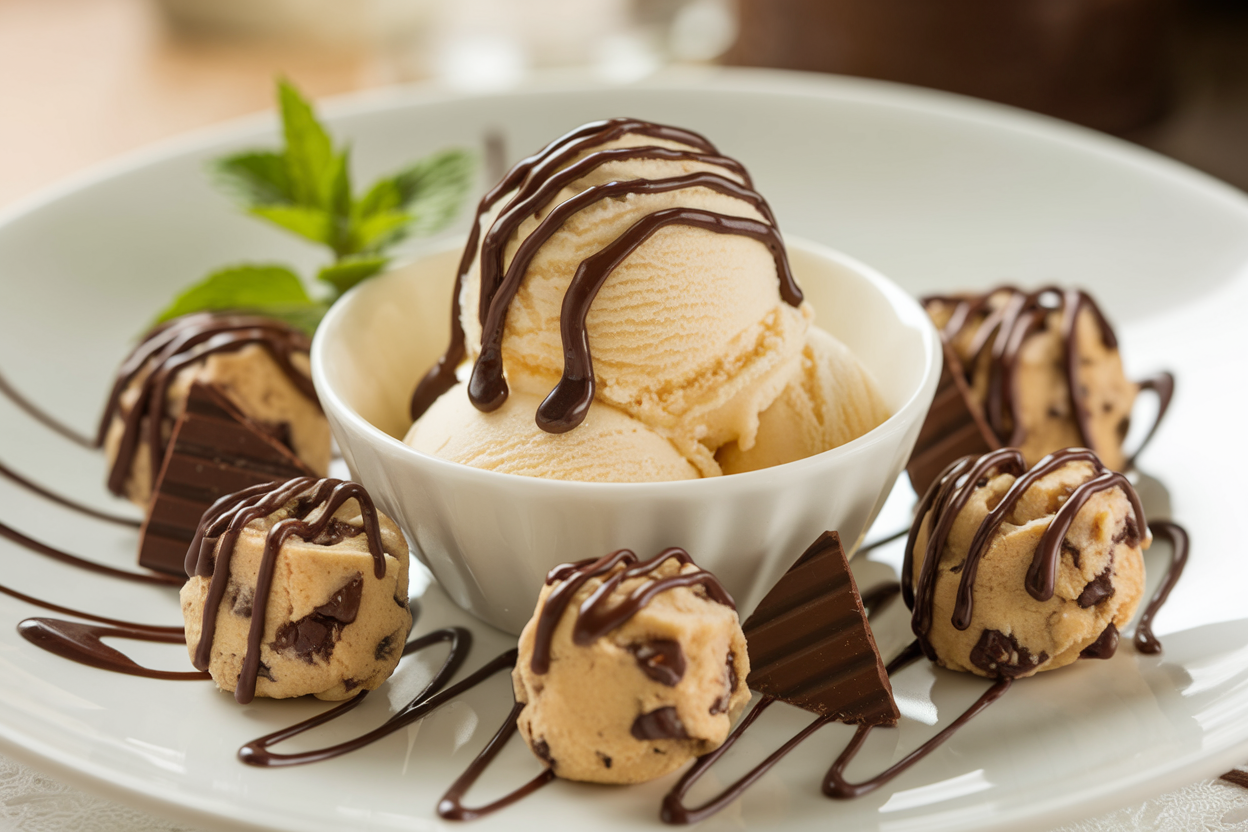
(1012, 571)
(1038, 371)
(259, 364)
(295, 588)
(629, 670)
(630, 266)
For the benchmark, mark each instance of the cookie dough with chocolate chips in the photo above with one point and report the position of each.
(259, 364)
(1013, 571)
(334, 618)
(629, 670)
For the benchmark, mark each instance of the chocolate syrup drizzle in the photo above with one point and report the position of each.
(1144, 639)
(949, 494)
(33, 545)
(1002, 334)
(165, 351)
(594, 618)
(43, 417)
(537, 180)
(213, 546)
(35, 488)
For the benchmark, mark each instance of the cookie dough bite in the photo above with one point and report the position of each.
(1011, 571)
(297, 587)
(259, 364)
(1041, 372)
(629, 670)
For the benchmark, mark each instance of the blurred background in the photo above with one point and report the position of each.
(84, 80)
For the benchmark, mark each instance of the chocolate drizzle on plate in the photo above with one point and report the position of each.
(595, 618)
(536, 180)
(213, 546)
(168, 349)
(1144, 639)
(35, 488)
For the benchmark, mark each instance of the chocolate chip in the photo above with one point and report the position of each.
(344, 604)
(1003, 656)
(336, 531)
(241, 598)
(662, 660)
(1129, 533)
(1076, 558)
(307, 638)
(265, 671)
(1104, 646)
(981, 482)
(542, 750)
(661, 724)
(1097, 590)
(606, 761)
(1123, 427)
(384, 648)
(1054, 413)
(1108, 407)
(350, 684)
(720, 705)
(957, 567)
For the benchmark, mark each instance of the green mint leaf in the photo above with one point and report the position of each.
(338, 198)
(255, 178)
(310, 158)
(347, 272)
(270, 290)
(311, 223)
(431, 191)
(375, 232)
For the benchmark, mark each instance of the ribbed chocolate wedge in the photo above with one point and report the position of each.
(954, 428)
(810, 644)
(214, 451)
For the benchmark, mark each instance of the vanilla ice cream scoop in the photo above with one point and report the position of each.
(626, 265)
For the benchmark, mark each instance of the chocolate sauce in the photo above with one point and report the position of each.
(165, 351)
(1005, 327)
(594, 618)
(537, 180)
(91, 566)
(42, 417)
(1144, 639)
(80, 642)
(257, 753)
(950, 494)
(35, 488)
(452, 807)
(213, 547)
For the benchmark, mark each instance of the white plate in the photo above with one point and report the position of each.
(936, 191)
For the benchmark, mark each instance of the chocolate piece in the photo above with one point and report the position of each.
(662, 660)
(1104, 647)
(1002, 655)
(1097, 590)
(660, 724)
(731, 680)
(215, 450)
(810, 643)
(954, 427)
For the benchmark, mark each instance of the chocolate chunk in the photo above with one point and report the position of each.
(265, 671)
(720, 705)
(307, 638)
(344, 605)
(1104, 646)
(606, 761)
(214, 450)
(542, 749)
(1003, 656)
(1097, 590)
(384, 647)
(241, 598)
(810, 644)
(661, 724)
(662, 660)
(1076, 556)
(336, 532)
(1129, 534)
(955, 427)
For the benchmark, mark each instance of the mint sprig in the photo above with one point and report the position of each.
(305, 189)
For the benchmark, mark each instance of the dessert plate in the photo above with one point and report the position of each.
(935, 191)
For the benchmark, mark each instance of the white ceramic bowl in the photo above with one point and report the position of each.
(490, 538)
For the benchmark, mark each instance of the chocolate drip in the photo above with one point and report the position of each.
(1104, 647)
(43, 417)
(257, 753)
(213, 546)
(91, 566)
(81, 643)
(595, 619)
(1001, 335)
(168, 349)
(537, 180)
(35, 488)
(673, 809)
(1144, 639)
(950, 494)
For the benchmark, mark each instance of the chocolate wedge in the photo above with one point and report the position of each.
(214, 450)
(955, 427)
(810, 644)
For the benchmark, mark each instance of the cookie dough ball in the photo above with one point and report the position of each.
(331, 627)
(1032, 386)
(261, 365)
(1096, 587)
(618, 690)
